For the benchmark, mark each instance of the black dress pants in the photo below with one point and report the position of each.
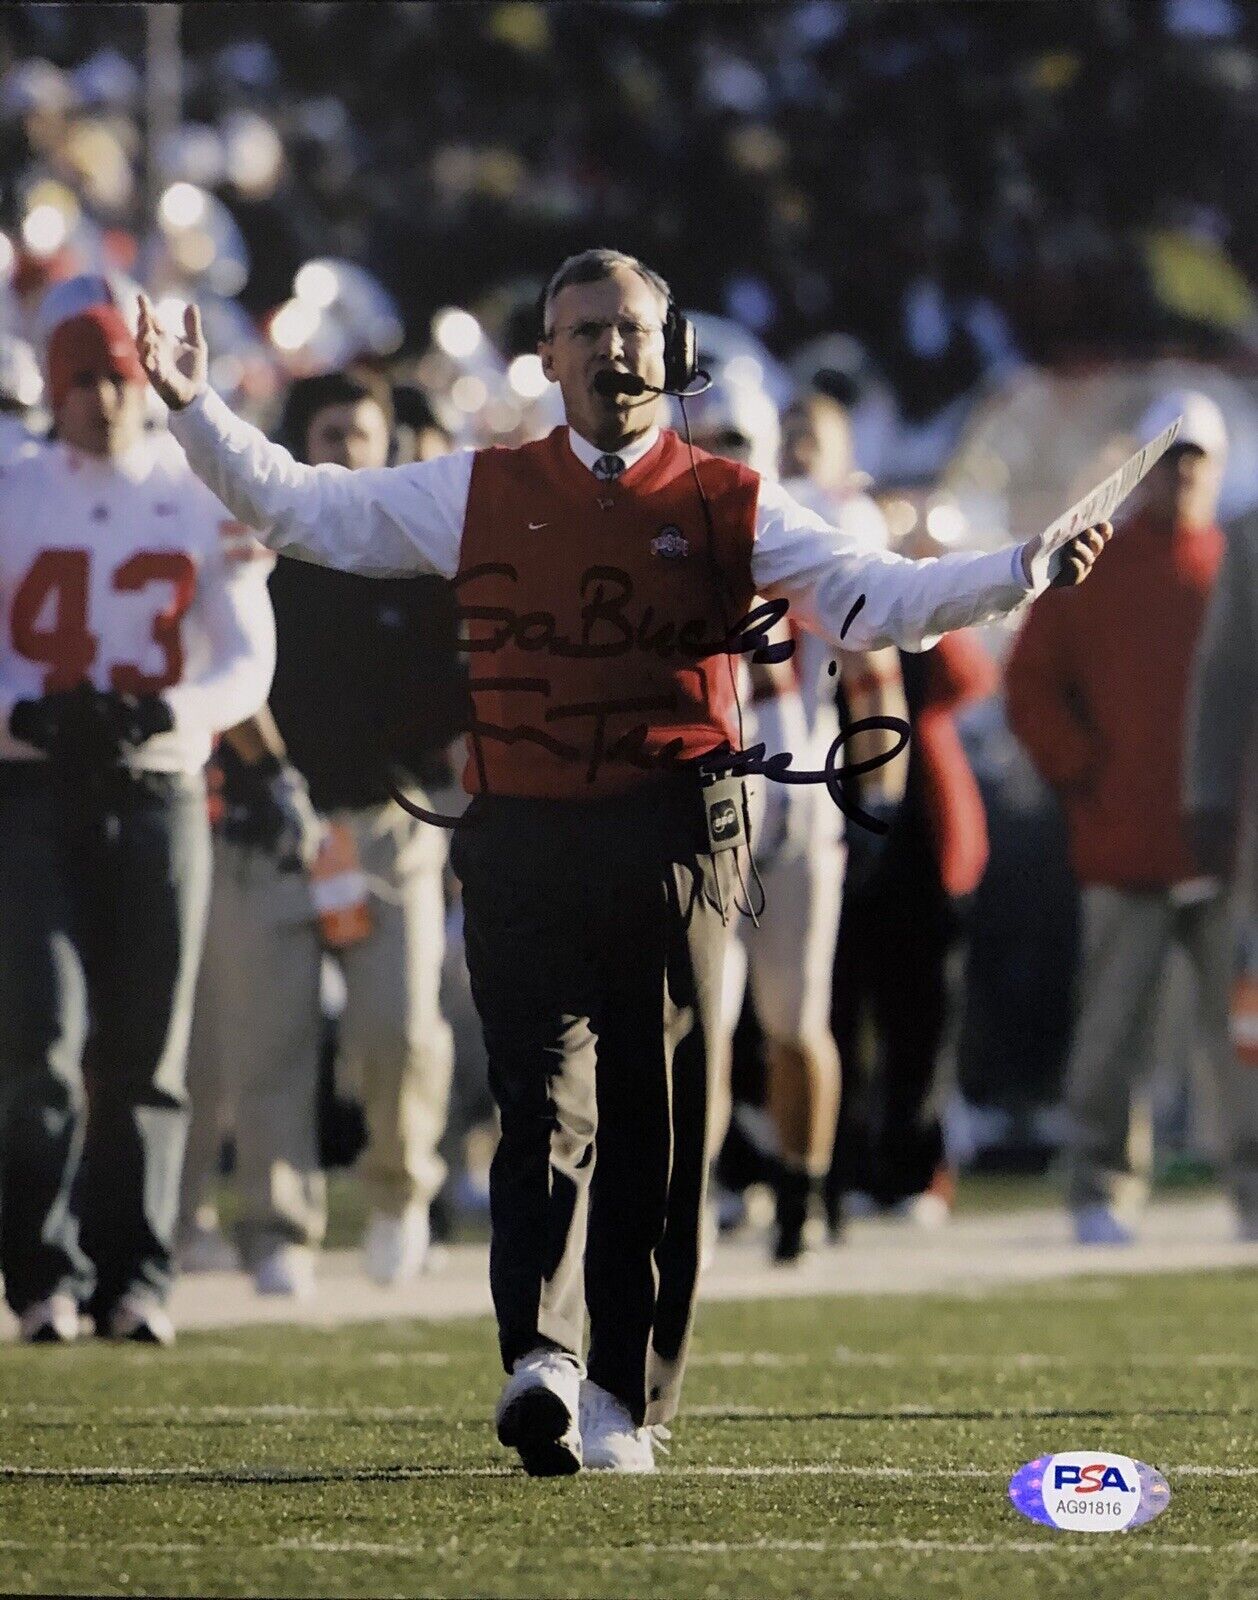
(594, 940)
(104, 887)
(889, 1013)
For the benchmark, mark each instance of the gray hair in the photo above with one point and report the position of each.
(591, 266)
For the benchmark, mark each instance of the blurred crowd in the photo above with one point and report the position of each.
(884, 218)
(954, 187)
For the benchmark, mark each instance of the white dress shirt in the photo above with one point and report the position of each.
(401, 521)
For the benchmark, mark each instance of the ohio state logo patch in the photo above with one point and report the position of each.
(671, 543)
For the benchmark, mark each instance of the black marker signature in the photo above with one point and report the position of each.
(607, 628)
(605, 611)
(722, 761)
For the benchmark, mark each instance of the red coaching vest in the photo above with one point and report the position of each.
(596, 617)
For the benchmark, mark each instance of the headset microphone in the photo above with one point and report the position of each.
(610, 383)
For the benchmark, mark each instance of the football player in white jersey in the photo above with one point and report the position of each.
(134, 623)
(797, 834)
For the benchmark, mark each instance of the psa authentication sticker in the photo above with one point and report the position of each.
(1089, 1491)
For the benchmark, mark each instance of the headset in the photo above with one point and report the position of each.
(681, 353)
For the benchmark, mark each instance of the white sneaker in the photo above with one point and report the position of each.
(537, 1413)
(141, 1319)
(396, 1248)
(51, 1321)
(288, 1269)
(610, 1439)
(1101, 1225)
(927, 1211)
(207, 1250)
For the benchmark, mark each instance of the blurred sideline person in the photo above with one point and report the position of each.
(797, 839)
(1221, 789)
(365, 695)
(598, 872)
(905, 909)
(21, 387)
(136, 624)
(818, 454)
(1097, 686)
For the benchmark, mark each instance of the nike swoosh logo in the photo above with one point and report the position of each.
(534, 526)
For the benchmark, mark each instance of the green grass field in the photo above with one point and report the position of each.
(858, 1447)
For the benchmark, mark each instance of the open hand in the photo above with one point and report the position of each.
(177, 364)
(1074, 560)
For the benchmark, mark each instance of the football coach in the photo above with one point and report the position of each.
(605, 574)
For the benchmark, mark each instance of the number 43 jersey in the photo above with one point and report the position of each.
(127, 573)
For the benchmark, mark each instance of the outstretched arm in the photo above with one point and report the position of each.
(859, 599)
(385, 522)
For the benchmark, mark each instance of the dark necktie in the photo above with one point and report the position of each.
(608, 467)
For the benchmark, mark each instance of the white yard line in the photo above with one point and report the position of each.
(915, 1413)
(806, 1469)
(147, 1549)
(210, 1413)
(1047, 1546)
(697, 1547)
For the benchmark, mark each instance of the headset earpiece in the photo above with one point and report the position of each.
(681, 349)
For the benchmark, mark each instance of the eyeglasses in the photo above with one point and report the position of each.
(591, 332)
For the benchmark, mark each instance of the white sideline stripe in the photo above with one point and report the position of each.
(237, 1355)
(805, 1469)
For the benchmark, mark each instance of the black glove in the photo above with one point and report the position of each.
(86, 728)
(266, 806)
(139, 717)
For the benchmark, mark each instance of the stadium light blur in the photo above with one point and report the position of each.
(294, 324)
(945, 523)
(526, 377)
(458, 334)
(45, 229)
(181, 206)
(744, 369)
(500, 416)
(469, 393)
(901, 516)
(254, 154)
(316, 285)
